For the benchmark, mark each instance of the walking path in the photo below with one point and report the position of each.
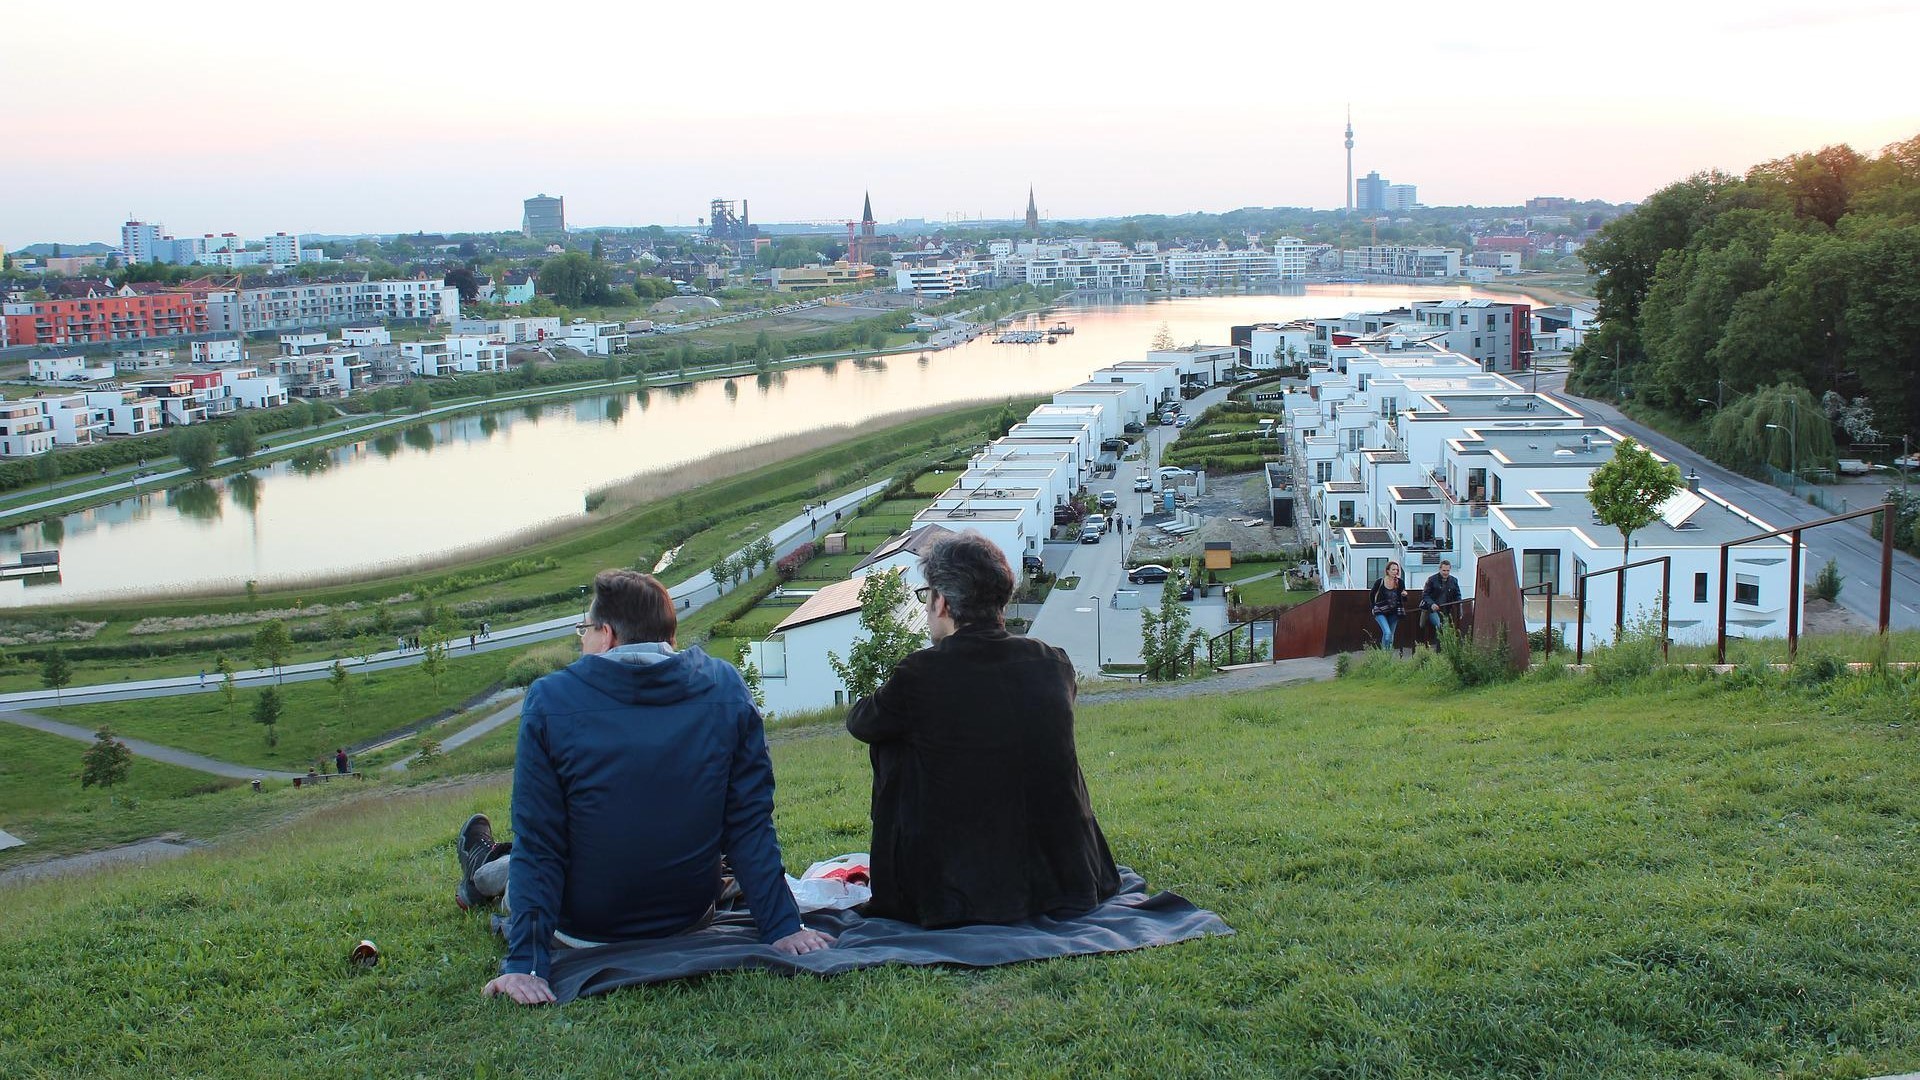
(468, 734)
(142, 748)
(143, 852)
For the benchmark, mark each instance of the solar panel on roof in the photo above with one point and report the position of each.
(1683, 505)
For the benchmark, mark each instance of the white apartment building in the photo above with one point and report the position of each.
(1127, 402)
(1090, 273)
(180, 402)
(1159, 378)
(517, 331)
(1394, 260)
(1200, 365)
(321, 374)
(366, 337)
(1271, 346)
(1497, 334)
(1221, 267)
(298, 307)
(933, 282)
(1095, 417)
(1086, 443)
(1016, 532)
(24, 431)
(1056, 481)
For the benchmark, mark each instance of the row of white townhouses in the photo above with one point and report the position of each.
(1401, 450)
(1007, 493)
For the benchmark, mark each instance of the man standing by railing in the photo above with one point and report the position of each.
(1441, 593)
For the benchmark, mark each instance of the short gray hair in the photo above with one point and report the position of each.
(972, 573)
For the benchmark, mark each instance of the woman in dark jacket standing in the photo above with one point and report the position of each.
(1389, 600)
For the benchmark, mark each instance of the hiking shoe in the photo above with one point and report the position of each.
(474, 848)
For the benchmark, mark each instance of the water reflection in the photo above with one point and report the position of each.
(404, 496)
(198, 500)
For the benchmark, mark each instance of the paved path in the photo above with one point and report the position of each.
(145, 851)
(468, 734)
(152, 751)
(1233, 681)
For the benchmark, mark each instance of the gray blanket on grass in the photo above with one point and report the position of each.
(1129, 920)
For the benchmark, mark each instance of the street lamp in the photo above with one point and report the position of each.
(1793, 450)
(1099, 648)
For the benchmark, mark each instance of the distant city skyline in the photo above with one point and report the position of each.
(358, 135)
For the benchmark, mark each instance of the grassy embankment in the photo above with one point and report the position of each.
(708, 509)
(1655, 875)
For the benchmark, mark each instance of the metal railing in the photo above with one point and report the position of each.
(1620, 603)
(1887, 526)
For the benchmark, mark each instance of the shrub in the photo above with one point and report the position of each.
(1539, 639)
(1826, 585)
(1634, 655)
(537, 662)
(1343, 665)
(1474, 664)
(1816, 669)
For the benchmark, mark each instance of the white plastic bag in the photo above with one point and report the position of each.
(816, 891)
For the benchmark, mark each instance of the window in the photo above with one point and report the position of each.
(1699, 588)
(1746, 589)
(1376, 569)
(1496, 488)
(1540, 566)
(1499, 542)
(1389, 406)
(1422, 528)
(1579, 571)
(1356, 438)
(1323, 471)
(1346, 511)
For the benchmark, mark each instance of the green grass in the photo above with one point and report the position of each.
(313, 723)
(1551, 877)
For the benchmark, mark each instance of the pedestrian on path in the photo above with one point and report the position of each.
(340, 763)
(203, 678)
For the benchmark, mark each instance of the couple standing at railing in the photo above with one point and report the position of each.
(1441, 592)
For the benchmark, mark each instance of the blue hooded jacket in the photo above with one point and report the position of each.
(635, 773)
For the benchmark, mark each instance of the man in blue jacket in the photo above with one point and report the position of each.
(638, 768)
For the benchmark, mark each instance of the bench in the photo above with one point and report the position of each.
(324, 778)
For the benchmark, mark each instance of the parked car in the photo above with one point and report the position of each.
(1092, 529)
(1032, 564)
(1113, 444)
(1134, 427)
(1143, 483)
(1150, 574)
(1166, 418)
(1063, 515)
(1181, 420)
(1109, 499)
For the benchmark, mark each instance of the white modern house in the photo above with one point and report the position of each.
(218, 351)
(516, 331)
(1103, 425)
(24, 431)
(596, 338)
(1086, 443)
(72, 421)
(1017, 532)
(1056, 482)
(253, 390)
(124, 412)
(453, 355)
(1126, 402)
(795, 673)
(1200, 365)
(68, 369)
(1160, 379)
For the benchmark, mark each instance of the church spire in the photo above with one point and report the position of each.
(1033, 212)
(866, 212)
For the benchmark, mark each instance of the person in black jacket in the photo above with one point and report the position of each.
(980, 811)
(1440, 597)
(1389, 601)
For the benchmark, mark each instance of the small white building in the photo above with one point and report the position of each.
(1160, 379)
(795, 673)
(1125, 401)
(68, 369)
(221, 351)
(365, 337)
(1056, 481)
(1202, 365)
(1085, 442)
(1103, 425)
(597, 338)
(1013, 531)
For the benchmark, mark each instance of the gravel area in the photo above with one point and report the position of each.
(1230, 503)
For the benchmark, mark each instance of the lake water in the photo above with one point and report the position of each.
(462, 483)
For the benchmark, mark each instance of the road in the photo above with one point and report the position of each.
(1855, 552)
(1084, 620)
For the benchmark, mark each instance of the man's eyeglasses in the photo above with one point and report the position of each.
(580, 628)
(924, 594)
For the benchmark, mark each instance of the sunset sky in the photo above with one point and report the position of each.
(377, 117)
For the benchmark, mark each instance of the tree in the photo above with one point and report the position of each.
(48, 466)
(383, 621)
(419, 398)
(464, 281)
(337, 681)
(272, 645)
(574, 279)
(195, 447)
(337, 629)
(229, 689)
(55, 673)
(107, 762)
(1627, 493)
(433, 655)
(1162, 339)
(724, 570)
(888, 640)
(266, 710)
(240, 439)
(1166, 639)
(611, 368)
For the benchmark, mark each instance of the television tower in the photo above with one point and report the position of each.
(1349, 159)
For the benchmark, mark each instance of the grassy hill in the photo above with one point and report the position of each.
(1636, 875)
